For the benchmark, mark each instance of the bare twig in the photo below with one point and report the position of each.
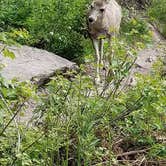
(147, 162)
(102, 163)
(118, 142)
(132, 152)
(131, 161)
(142, 160)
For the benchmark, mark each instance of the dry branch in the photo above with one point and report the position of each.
(132, 152)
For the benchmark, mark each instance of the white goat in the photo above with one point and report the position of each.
(104, 18)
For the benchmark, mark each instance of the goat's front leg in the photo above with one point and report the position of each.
(96, 47)
(102, 52)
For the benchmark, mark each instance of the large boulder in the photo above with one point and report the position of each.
(32, 64)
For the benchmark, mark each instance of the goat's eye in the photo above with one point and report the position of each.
(102, 10)
(91, 6)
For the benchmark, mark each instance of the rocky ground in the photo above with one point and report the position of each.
(32, 64)
(147, 57)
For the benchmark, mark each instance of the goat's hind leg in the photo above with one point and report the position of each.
(110, 57)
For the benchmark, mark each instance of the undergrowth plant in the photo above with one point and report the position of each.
(75, 122)
(82, 127)
(14, 96)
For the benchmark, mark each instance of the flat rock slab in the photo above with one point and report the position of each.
(32, 64)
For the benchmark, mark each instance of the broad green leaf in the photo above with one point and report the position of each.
(8, 53)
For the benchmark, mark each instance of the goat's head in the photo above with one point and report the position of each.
(97, 10)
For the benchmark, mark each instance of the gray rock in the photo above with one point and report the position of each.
(32, 64)
(146, 58)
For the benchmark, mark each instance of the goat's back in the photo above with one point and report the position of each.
(112, 17)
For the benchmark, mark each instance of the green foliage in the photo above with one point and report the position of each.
(56, 26)
(8, 53)
(148, 118)
(13, 97)
(83, 124)
(5, 39)
(78, 124)
(14, 13)
(75, 123)
(135, 30)
(137, 4)
(157, 12)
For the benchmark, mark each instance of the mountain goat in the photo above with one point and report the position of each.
(104, 18)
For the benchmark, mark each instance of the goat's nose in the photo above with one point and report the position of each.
(91, 19)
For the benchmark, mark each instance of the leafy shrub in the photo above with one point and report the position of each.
(77, 124)
(135, 30)
(84, 125)
(139, 4)
(13, 96)
(14, 13)
(56, 26)
(157, 12)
